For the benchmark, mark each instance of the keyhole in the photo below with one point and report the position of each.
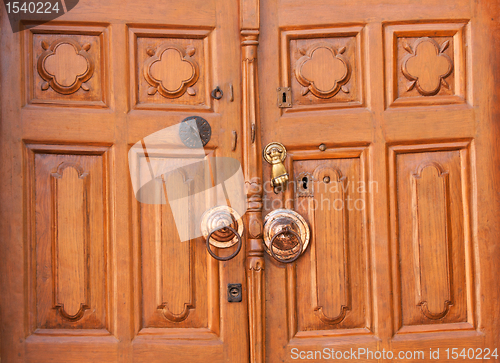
(234, 291)
(304, 182)
(284, 97)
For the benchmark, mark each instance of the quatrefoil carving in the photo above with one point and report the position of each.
(171, 71)
(426, 66)
(65, 66)
(323, 70)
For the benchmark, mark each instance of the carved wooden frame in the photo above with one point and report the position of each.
(212, 272)
(355, 30)
(30, 151)
(135, 69)
(294, 335)
(30, 66)
(459, 31)
(466, 149)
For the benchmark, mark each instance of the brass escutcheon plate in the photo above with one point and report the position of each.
(268, 148)
(218, 217)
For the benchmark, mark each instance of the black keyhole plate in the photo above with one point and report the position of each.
(234, 292)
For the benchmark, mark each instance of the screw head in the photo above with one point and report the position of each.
(326, 179)
(322, 147)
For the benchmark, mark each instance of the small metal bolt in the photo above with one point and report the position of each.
(322, 147)
(326, 179)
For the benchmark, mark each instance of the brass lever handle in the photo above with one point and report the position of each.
(275, 153)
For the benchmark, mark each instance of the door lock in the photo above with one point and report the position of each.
(284, 97)
(234, 292)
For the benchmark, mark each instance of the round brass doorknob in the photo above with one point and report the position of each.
(286, 235)
(222, 227)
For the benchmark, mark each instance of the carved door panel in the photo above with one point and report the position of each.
(391, 156)
(89, 274)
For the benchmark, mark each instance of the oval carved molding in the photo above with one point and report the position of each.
(171, 71)
(61, 296)
(426, 66)
(323, 70)
(432, 239)
(172, 308)
(65, 66)
(336, 245)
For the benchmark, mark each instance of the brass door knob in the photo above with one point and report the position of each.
(222, 227)
(286, 235)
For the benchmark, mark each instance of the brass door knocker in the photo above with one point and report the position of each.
(275, 153)
(286, 235)
(222, 227)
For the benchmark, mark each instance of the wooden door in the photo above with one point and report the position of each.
(392, 137)
(89, 274)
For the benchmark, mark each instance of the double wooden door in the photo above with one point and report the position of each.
(391, 128)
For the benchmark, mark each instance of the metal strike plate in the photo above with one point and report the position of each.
(234, 293)
(284, 97)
